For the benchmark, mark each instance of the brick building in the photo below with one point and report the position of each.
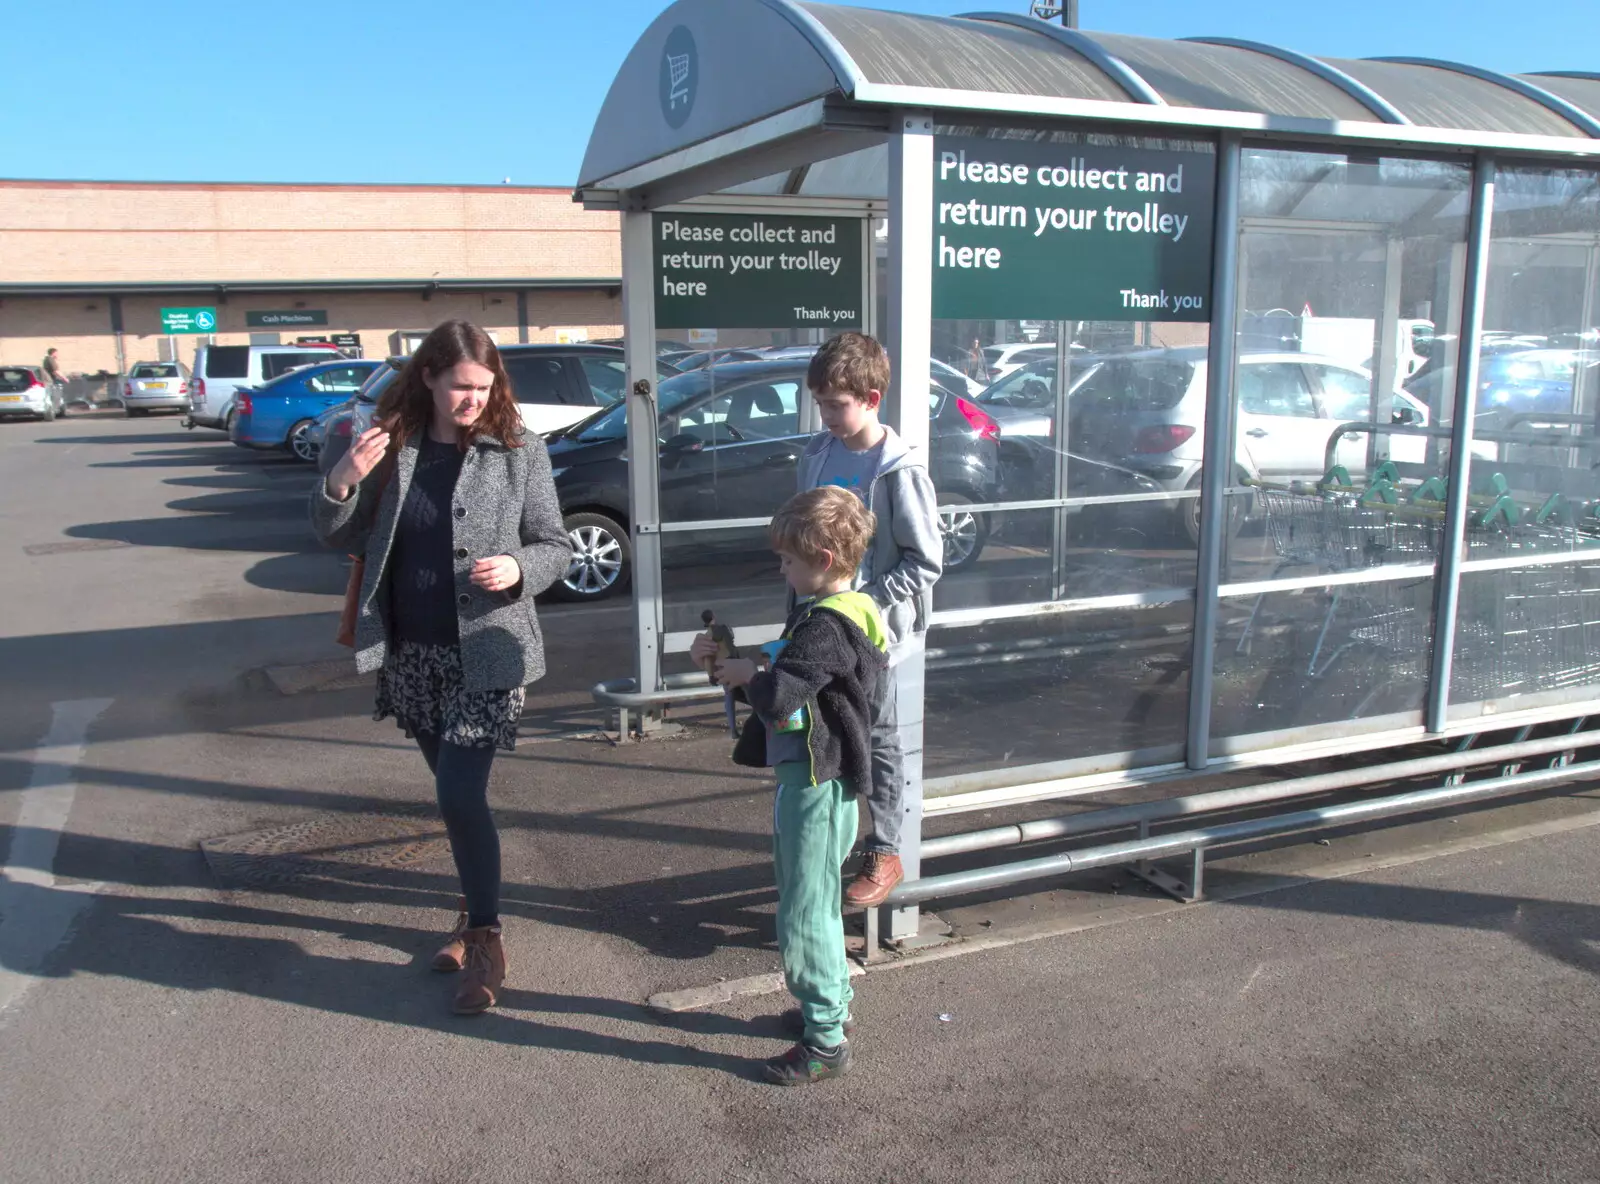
(87, 267)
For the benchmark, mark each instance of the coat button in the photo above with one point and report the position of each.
(461, 511)
(463, 599)
(461, 552)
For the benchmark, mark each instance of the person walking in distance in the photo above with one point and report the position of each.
(456, 517)
(52, 367)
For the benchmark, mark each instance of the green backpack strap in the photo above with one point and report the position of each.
(862, 611)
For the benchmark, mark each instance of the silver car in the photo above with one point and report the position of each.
(156, 386)
(27, 391)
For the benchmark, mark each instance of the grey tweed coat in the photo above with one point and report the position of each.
(504, 504)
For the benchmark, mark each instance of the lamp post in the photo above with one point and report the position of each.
(1049, 10)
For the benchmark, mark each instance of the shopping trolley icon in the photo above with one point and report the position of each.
(678, 72)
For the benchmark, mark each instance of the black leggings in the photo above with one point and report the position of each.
(461, 779)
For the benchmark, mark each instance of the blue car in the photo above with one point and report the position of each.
(1535, 380)
(280, 413)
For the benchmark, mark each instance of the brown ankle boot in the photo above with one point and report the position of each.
(452, 956)
(485, 970)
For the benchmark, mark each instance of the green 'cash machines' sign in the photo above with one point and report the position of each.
(1046, 231)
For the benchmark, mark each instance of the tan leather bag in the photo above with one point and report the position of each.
(351, 611)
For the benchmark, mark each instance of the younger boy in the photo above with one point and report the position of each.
(848, 377)
(813, 713)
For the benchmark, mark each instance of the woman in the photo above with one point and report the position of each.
(457, 518)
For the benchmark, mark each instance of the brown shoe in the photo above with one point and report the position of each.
(879, 873)
(485, 971)
(452, 956)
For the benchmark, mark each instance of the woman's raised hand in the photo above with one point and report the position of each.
(365, 453)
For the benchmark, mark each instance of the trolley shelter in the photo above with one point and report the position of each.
(1260, 391)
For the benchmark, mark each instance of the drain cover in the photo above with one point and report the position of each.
(340, 847)
(75, 545)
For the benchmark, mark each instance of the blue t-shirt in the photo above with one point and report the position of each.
(851, 470)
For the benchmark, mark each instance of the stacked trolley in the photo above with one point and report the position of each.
(1529, 611)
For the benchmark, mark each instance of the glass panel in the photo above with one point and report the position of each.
(1526, 634)
(1526, 637)
(1289, 659)
(1102, 422)
(1007, 557)
(731, 572)
(1350, 276)
(1017, 693)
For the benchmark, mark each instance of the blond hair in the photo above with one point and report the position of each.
(826, 519)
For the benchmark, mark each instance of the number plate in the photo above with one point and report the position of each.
(10, 398)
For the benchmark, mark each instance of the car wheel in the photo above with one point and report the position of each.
(300, 442)
(48, 415)
(601, 558)
(964, 532)
(227, 422)
(1189, 514)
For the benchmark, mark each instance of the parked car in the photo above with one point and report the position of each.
(26, 390)
(730, 441)
(555, 385)
(1536, 380)
(1143, 413)
(220, 370)
(717, 357)
(281, 413)
(1003, 359)
(941, 374)
(155, 386)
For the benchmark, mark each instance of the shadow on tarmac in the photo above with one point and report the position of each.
(148, 948)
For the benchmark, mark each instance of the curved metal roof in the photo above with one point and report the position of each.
(713, 78)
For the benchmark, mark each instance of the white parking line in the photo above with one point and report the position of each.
(37, 914)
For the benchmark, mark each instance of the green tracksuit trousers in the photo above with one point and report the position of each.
(813, 829)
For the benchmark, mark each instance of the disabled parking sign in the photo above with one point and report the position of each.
(188, 320)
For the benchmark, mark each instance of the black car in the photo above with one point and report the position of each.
(730, 440)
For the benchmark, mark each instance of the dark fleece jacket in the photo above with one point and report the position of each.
(832, 668)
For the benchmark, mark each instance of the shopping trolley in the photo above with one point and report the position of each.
(1531, 621)
(678, 75)
(1333, 528)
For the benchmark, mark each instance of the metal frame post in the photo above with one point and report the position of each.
(1061, 517)
(1480, 230)
(909, 341)
(644, 499)
(1386, 355)
(1218, 463)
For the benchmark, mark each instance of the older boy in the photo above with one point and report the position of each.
(813, 713)
(848, 377)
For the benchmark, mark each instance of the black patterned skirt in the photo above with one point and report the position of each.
(422, 687)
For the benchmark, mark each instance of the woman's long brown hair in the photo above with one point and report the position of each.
(407, 406)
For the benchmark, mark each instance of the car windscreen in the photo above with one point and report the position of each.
(612, 423)
(1135, 384)
(15, 378)
(274, 365)
(372, 390)
(1032, 387)
(153, 370)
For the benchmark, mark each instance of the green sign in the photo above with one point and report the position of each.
(291, 318)
(188, 320)
(1030, 230)
(761, 271)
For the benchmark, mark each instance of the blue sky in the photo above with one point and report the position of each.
(387, 91)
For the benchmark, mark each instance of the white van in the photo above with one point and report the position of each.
(220, 370)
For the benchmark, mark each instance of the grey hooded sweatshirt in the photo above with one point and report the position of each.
(907, 552)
